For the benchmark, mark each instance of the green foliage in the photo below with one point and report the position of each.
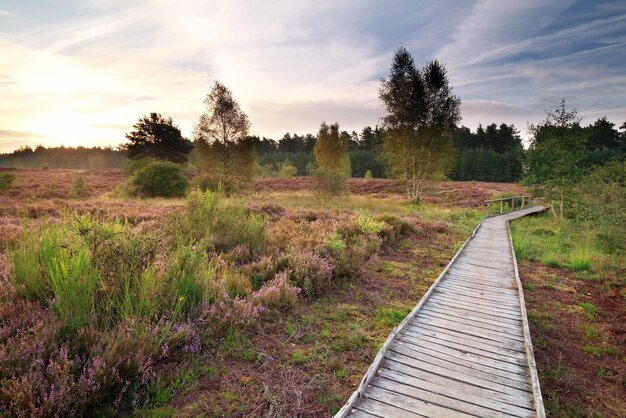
(157, 137)
(331, 159)
(6, 181)
(225, 151)
(78, 188)
(486, 165)
(218, 224)
(368, 175)
(421, 115)
(367, 224)
(130, 167)
(363, 161)
(63, 157)
(160, 179)
(599, 204)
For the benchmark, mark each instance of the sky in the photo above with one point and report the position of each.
(83, 72)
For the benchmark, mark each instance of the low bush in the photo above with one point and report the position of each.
(159, 179)
(278, 293)
(310, 272)
(221, 225)
(6, 181)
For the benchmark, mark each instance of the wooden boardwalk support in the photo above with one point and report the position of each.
(465, 349)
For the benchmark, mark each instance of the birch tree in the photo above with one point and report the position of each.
(421, 115)
(225, 153)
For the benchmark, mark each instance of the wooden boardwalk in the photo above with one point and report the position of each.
(465, 349)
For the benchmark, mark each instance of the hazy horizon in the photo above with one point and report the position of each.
(82, 73)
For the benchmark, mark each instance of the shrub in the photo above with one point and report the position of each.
(192, 278)
(160, 179)
(367, 224)
(6, 181)
(131, 167)
(223, 226)
(78, 188)
(278, 293)
(368, 175)
(330, 182)
(310, 272)
(261, 271)
(287, 170)
(235, 284)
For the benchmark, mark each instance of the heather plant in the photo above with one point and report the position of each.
(278, 293)
(310, 272)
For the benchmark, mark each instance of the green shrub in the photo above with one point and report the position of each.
(160, 179)
(6, 181)
(78, 188)
(191, 277)
(221, 225)
(131, 167)
(368, 175)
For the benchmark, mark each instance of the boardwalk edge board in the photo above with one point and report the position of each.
(373, 370)
(530, 356)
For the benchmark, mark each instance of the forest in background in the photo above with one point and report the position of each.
(492, 153)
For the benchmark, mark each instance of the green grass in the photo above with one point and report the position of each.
(561, 244)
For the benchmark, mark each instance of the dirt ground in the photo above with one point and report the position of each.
(578, 329)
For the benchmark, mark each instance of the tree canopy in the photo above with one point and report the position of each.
(221, 136)
(158, 137)
(421, 115)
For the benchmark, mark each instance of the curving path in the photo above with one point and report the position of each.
(465, 349)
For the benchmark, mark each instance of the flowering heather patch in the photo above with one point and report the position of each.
(278, 293)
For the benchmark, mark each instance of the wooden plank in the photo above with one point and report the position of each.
(384, 410)
(435, 399)
(460, 298)
(488, 290)
(419, 352)
(417, 339)
(463, 355)
(474, 316)
(496, 300)
(355, 413)
(453, 303)
(462, 376)
(462, 334)
(495, 332)
(409, 403)
(457, 385)
(487, 407)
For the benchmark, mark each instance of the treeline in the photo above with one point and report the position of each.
(493, 153)
(293, 150)
(64, 157)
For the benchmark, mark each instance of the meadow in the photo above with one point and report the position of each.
(274, 302)
(574, 288)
